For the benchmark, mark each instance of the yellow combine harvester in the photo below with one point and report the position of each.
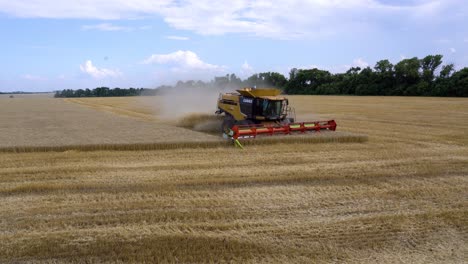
(251, 112)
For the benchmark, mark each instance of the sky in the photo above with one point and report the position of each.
(49, 45)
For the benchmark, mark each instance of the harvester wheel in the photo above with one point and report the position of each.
(228, 123)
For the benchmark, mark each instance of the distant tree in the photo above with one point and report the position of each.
(253, 81)
(447, 71)
(407, 77)
(234, 82)
(310, 80)
(459, 83)
(274, 79)
(385, 77)
(429, 65)
(367, 82)
(221, 82)
(350, 80)
(88, 93)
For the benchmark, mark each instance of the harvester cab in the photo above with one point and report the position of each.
(251, 112)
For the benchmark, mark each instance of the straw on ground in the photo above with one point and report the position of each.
(399, 197)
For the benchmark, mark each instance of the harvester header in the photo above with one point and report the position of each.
(252, 131)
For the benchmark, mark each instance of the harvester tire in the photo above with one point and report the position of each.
(228, 123)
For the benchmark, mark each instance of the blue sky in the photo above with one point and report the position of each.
(50, 45)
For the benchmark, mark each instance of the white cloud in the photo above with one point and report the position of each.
(32, 77)
(98, 73)
(246, 68)
(359, 62)
(295, 18)
(183, 61)
(274, 18)
(88, 9)
(105, 27)
(308, 67)
(177, 38)
(111, 27)
(453, 50)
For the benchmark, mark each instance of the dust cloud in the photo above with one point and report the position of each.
(179, 102)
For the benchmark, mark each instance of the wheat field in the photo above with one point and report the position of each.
(400, 196)
(41, 122)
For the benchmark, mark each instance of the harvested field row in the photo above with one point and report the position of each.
(297, 204)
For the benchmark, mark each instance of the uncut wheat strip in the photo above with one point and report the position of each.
(338, 138)
(318, 137)
(118, 147)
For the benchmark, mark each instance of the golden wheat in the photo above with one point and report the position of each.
(209, 123)
(45, 122)
(400, 196)
(322, 137)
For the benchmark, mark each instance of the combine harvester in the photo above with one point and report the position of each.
(252, 112)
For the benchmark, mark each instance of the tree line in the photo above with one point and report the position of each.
(104, 92)
(412, 77)
(409, 77)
